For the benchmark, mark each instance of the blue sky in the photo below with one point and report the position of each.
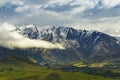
(102, 15)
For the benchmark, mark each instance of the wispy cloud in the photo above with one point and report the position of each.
(12, 39)
(13, 2)
(110, 3)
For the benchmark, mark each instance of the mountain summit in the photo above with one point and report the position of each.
(80, 45)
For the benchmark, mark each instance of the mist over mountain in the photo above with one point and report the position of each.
(79, 44)
(44, 44)
(10, 38)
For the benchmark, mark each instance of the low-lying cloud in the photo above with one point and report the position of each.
(12, 39)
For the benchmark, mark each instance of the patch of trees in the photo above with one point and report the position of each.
(93, 71)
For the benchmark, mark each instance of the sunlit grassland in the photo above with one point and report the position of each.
(18, 69)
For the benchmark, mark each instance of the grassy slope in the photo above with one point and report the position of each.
(18, 69)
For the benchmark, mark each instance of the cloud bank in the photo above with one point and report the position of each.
(91, 14)
(12, 39)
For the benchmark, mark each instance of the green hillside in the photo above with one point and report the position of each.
(21, 69)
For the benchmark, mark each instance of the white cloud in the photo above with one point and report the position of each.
(14, 2)
(22, 8)
(110, 26)
(6, 27)
(83, 5)
(27, 7)
(110, 3)
(90, 14)
(12, 39)
(59, 2)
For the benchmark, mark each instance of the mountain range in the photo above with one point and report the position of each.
(80, 45)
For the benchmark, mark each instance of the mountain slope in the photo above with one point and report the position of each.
(118, 38)
(79, 44)
(15, 68)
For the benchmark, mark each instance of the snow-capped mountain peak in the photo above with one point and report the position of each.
(79, 44)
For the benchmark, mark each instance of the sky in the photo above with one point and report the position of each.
(101, 15)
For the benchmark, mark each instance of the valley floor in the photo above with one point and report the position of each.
(18, 69)
(39, 73)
